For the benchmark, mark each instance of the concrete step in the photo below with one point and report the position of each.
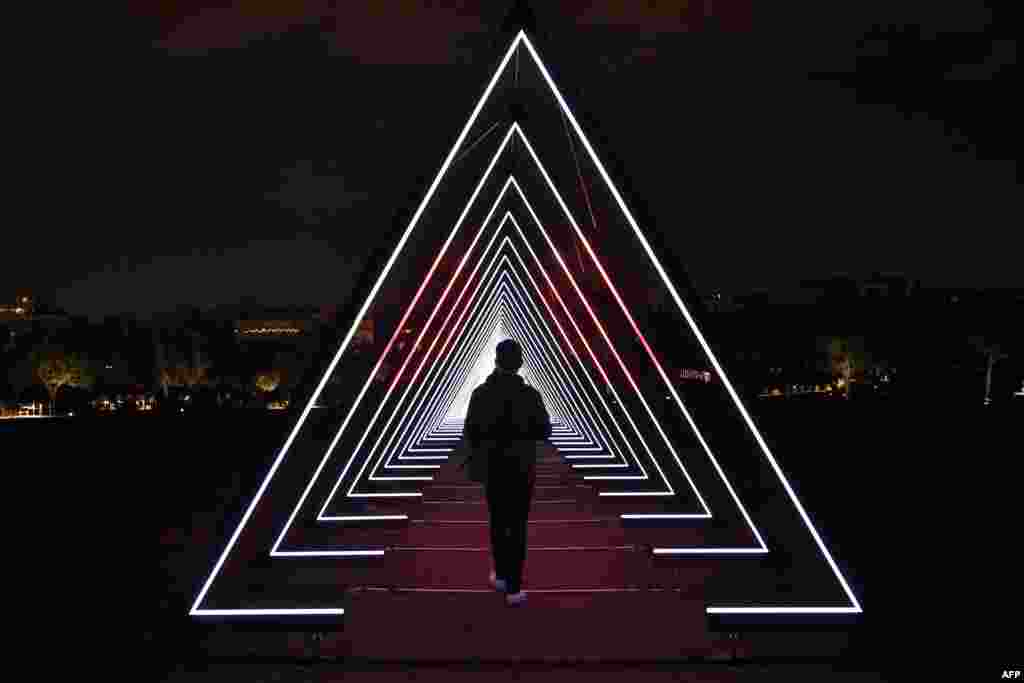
(577, 531)
(541, 490)
(444, 626)
(544, 568)
(560, 626)
(477, 510)
(538, 535)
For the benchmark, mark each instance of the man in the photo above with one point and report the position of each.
(505, 419)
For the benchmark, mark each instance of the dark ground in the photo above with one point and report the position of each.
(915, 501)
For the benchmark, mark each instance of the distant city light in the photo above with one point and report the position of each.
(271, 330)
(702, 375)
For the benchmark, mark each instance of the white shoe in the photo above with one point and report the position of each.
(515, 599)
(496, 583)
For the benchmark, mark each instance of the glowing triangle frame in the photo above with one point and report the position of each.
(521, 39)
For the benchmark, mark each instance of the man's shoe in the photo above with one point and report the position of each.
(515, 599)
(496, 583)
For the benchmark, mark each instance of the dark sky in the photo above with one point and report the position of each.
(257, 149)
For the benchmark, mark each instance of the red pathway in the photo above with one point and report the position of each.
(595, 590)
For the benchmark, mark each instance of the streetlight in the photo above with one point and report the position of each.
(995, 354)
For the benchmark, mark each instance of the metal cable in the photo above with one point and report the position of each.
(583, 186)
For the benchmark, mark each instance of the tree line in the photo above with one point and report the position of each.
(200, 364)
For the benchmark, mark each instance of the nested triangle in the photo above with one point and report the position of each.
(741, 445)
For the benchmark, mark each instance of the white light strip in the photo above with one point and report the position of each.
(267, 612)
(410, 494)
(329, 553)
(664, 516)
(521, 36)
(784, 610)
(709, 551)
(636, 493)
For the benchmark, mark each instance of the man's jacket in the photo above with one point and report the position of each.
(506, 418)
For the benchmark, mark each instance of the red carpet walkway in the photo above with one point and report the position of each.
(595, 590)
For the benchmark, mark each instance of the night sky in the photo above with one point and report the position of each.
(257, 151)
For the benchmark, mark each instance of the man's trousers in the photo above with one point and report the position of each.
(509, 493)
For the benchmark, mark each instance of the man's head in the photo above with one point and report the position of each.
(508, 356)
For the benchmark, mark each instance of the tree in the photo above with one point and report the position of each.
(847, 359)
(183, 375)
(180, 364)
(55, 368)
(268, 380)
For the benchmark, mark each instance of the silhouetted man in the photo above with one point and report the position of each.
(505, 419)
